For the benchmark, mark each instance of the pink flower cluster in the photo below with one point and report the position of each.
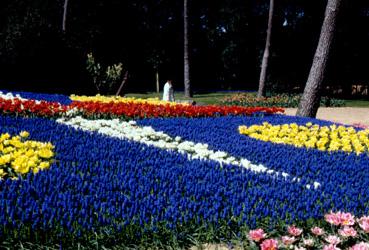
(348, 235)
(270, 244)
(257, 235)
(339, 218)
(333, 240)
(287, 240)
(331, 247)
(294, 231)
(347, 232)
(317, 231)
(360, 246)
(364, 223)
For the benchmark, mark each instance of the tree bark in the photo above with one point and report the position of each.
(310, 99)
(186, 39)
(264, 64)
(157, 81)
(65, 15)
(125, 78)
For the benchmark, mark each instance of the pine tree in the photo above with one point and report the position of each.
(310, 100)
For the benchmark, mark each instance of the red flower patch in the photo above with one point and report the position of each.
(145, 110)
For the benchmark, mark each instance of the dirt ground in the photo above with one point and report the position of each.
(345, 115)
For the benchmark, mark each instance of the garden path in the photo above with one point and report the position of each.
(345, 115)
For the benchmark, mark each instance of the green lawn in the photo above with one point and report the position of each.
(208, 98)
(357, 103)
(215, 97)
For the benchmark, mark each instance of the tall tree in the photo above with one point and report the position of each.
(310, 100)
(65, 15)
(264, 65)
(186, 39)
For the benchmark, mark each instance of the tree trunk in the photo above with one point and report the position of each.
(186, 38)
(65, 15)
(264, 64)
(310, 100)
(125, 78)
(157, 81)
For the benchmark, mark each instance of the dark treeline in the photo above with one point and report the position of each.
(227, 43)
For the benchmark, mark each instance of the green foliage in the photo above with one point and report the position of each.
(280, 100)
(104, 80)
(184, 235)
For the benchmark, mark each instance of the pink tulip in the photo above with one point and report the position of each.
(347, 232)
(270, 244)
(308, 242)
(364, 223)
(330, 247)
(347, 219)
(294, 231)
(360, 246)
(317, 231)
(287, 240)
(257, 235)
(333, 218)
(333, 239)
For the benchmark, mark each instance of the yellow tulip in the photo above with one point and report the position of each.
(23, 156)
(331, 138)
(119, 99)
(2, 173)
(44, 165)
(45, 153)
(24, 134)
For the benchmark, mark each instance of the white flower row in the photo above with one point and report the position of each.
(147, 135)
(10, 96)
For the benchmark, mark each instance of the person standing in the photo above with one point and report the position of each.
(168, 93)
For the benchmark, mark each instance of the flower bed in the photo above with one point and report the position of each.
(162, 182)
(340, 230)
(144, 110)
(337, 171)
(16, 105)
(101, 183)
(119, 99)
(62, 99)
(280, 100)
(330, 138)
(19, 156)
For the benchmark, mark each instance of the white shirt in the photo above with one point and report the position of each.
(168, 94)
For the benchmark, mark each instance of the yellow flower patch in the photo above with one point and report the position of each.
(324, 138)
(19, 156)
(119, 99)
